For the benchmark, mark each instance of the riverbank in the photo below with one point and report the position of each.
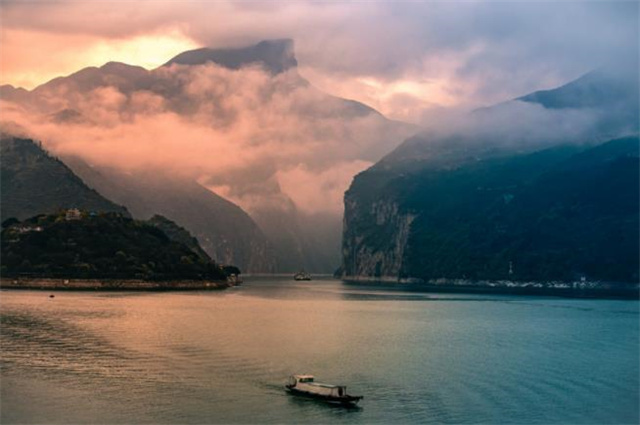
(57, 284)
(579, 289)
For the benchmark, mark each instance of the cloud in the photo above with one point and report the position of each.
(319, 192)
(474, 53)
(27, 58)
(253, 135)
(244, 132)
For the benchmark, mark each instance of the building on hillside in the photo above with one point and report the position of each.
(73, 214)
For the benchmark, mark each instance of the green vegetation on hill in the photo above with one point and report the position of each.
(34, 182)
(548, 216)
(178, 234)
(104, 245)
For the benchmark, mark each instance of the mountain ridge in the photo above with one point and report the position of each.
(117, 90)
(34, 182)
(474, 206)
(276, 56)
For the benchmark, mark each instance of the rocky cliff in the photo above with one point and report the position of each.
(366, 258)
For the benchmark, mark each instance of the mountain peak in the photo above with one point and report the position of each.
(599, 88)
(276, 56)
(114, 66)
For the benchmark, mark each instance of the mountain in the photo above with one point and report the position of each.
(178, 234)
(605, 87)
(224, 230)
(251, 117)
(274, 55)
(309, 242)
(599, 106)
(34, 182)
(504, 205)
(102, 245)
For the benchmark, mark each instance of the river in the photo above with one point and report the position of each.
(224, 356)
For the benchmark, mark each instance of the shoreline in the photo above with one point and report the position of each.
(59, 284)
(556, 289)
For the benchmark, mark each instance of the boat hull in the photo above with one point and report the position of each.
(346, 400)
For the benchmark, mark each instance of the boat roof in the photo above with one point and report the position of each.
(318, 384)
(303, 376)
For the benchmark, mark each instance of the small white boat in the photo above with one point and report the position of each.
(302, 276)
(305, 385)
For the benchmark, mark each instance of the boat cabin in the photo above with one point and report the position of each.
(305, 383)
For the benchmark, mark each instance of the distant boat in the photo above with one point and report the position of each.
(305, 386)
(302, 276)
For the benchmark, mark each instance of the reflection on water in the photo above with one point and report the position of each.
(222, 357)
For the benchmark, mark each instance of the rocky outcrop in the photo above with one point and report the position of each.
(364, 255)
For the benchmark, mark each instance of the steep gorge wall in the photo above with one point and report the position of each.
(375, 240)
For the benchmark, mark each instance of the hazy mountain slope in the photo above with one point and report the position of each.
(33, 182)
(223, 229)
(274, 55)
(603, 87)
(178, 234)
(596, 107)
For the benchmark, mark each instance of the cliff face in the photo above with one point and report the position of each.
(375, 239)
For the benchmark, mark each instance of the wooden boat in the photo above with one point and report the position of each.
(305, 386)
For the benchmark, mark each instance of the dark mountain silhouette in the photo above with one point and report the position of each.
(178, 234)
(34, 182)
(100, 245)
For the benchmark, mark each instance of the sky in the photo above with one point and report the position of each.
(410, 60)
(255, 138)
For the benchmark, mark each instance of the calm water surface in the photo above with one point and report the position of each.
(223, 357)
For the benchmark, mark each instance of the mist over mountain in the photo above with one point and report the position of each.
(241, 123)
(544, 187)
(601, 105)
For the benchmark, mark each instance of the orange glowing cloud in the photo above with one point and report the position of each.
(30, 57)
(251, 135)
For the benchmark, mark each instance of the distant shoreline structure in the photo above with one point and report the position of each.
(57, 284)
(577, 289)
